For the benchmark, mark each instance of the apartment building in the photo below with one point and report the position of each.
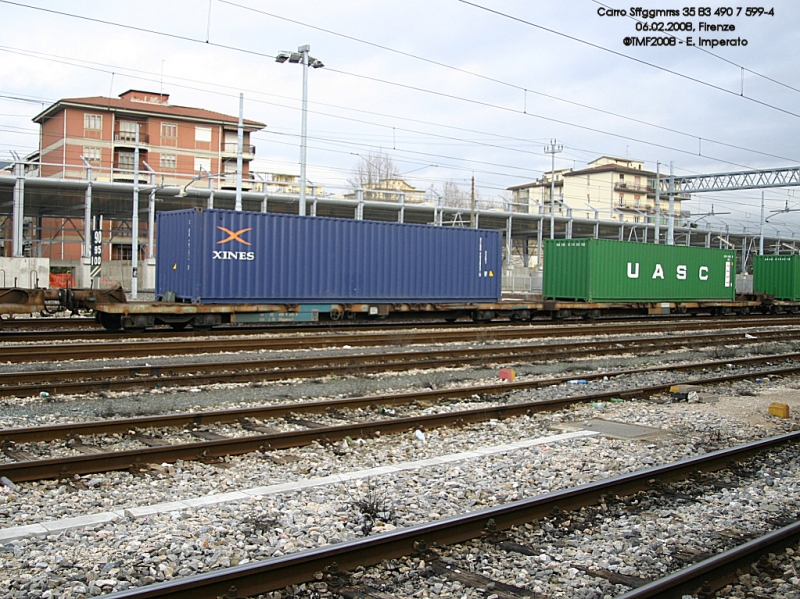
(177, 143)
(609, 188)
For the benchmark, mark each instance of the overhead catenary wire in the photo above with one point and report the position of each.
(502, 147)
(230, 47)
(620, 54)
(505, 83)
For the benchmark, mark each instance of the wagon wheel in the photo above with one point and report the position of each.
(336, 314)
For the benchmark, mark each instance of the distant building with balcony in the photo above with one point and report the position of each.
(610, 188)
(177, 142)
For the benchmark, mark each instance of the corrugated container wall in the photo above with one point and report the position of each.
(602, 270)
(225, 256)
(778, 276)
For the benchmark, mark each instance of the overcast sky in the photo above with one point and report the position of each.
(450, 89)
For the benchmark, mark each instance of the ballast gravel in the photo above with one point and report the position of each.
(135, 551)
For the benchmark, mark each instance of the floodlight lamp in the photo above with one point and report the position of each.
(282, 57)
(316, 63)
(295, 57)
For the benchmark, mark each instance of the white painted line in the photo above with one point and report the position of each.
(14, 533)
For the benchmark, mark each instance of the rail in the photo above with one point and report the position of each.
(278, 573)
(29, 470)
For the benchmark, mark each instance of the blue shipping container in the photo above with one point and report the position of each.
(224, 256)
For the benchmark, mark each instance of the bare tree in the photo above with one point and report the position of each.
(374, 168)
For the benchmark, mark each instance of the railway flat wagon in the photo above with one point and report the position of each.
(207, 256)
(778, 276)
(602, 270)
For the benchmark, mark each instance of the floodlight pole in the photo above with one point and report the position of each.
(302, 56)
(304, 130)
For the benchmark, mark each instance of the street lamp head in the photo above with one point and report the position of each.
(282, 57)
(316, 63)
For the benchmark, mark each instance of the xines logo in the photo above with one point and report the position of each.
(231, 254)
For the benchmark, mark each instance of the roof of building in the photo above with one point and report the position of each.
(540, 183)
(611, 167)
(140, 107)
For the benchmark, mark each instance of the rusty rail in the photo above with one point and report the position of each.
(209, 450)
(121, 378)
(713, 574)
(172, 343)
(278, 573)
(122, 425)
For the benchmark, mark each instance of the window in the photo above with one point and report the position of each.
(169, 161)
(93, 121)
(588, 179)
(121, 251)
(204, 163)
(636, 200)
(169, 130)
(125, 160)
(92, 154)
(621, 203)
(202, 134)
(127, 131)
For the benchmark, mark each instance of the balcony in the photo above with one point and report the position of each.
(229, 149)
(633, 187)
(228, 181)
(128, 138)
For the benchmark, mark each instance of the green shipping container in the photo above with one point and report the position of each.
(778, 276)
(602, 270)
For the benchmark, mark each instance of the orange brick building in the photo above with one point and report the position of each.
(177, 143)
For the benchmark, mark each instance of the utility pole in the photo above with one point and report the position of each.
(761, 229)
(553, 149)
(658, 199)
(472, 203)
(671, 221)
(239, 150)
(135, 221)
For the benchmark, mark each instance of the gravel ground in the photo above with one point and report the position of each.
(140, 550)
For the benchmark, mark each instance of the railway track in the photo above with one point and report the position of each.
(81, 441)
(92, 458)
(120, 378)
(404, 329)
(332, 563)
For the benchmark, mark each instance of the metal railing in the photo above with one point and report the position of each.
(130, 137)
(232, 147)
